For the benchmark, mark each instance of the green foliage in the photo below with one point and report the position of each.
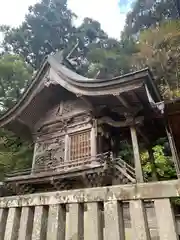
(13, 153)
(126, 152)
(47, 21)
(48, 27)
(15, 75)
(109, 61)
(163, 164)
(159, 49)
(149, 13)
(154, 27)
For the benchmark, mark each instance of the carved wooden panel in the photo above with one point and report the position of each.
(64, 110)
(80, 145)
(49, 154)
(65, 118)
(73, 107)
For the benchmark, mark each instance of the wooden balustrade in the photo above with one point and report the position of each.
(100, 159)
(96, 213)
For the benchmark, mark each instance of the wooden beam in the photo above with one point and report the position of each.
(126, 123)
(123, 102)
(89, 104)
(143, 105)
(143, 135)
(131, 110)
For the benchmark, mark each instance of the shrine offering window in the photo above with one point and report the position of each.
(80, 145)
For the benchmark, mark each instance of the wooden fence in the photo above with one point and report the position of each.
(92, 214)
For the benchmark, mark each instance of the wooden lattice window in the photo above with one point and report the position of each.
(80, 145)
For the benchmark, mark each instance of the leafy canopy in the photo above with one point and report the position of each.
(15, 75)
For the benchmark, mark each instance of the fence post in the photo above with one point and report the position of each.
(40, 223)
(26, 224)
(3, 219)
(74, 222)
(56, 222)
(92, 222)
(12, 225)
(165, 219)
(114, 223)
(139, 220)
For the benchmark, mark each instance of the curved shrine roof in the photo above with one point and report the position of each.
(52, 72)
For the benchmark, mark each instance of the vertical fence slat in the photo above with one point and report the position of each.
(3, 220)
(114, 223)
(74, 222)
(12, 225)
(26, 223)
(92, 222)
(165, 219)
(40, 223)
(139, 220)
(56, 222)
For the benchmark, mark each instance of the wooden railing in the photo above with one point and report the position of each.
(126, 169)
(96, 213)
(98, 159)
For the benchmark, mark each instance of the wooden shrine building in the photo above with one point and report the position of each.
(77, 125)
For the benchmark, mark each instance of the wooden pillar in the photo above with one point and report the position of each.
(34, 158)
(173, 152)
(93, 142)
(138, 167)
(67, 145)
